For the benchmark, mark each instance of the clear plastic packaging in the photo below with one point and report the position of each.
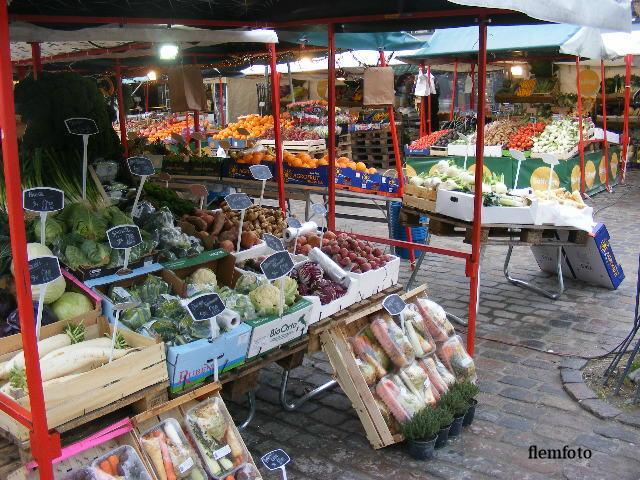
(415, 330)
(85, 473)
(215, 437)
(455, 357)
(170, 452)
(370, 353)
(434, 319)
(417, 380)
(444, 373)
(247, 472)
(120, 463)
(393, 340)
(439, 386)
(402, 403)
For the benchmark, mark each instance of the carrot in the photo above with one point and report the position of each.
(166, 458)
(114, 461)
(105, 466)
(229, 477)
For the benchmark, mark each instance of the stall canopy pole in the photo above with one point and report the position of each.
(604, 126)
(275, 104)
(423, 106)
(331, 107)
(122, 116)
(429, 126)
(146, 96)
(196, 128)
(36, 59)
(45, 447)
(580, 139)
(454, 89)
(627, 101)
(473, 266)
(472, 98)
(221, 102)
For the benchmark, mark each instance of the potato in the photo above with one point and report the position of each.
(227, 245)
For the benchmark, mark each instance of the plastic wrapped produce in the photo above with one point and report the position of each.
(434, 319)
(444, 373)
(365, 351)
(393, 340)
(386, 413)
(428, 364)
(121, 463)
(247, 282)
(246, 472)
(455, 357)
(417, 380)
(418, 335)
(401, 402)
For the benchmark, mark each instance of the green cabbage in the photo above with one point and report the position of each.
(70, 305)
(55, 289)
(52, 230)
(290, 290)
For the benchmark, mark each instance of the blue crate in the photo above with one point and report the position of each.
(418, 234)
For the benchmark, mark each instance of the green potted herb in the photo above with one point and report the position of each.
(445, 419)
(456, 404)
(421, 432)
(468, 391)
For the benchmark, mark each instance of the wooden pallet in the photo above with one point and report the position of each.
(335, 344)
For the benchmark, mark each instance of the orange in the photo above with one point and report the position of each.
(361, 167)
(323, 161)
(372, 170)
(351, 165)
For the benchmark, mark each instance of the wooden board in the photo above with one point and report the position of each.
(423, 204)
(335, 345)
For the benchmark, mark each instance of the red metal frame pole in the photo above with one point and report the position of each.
(473, 266)
(580, 139)
(604, 125)
(429, 126)
(472, 98)
(331, 111)
(146, 96)
(627, 101)
(423, 106)
(36, 59)
(454, 88)
(221, 102)
(122, 115)
(275, 104)
(196, 127)
(45, 447)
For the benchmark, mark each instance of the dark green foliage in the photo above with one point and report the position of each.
(423, 426)
(466, 389)
(45, 104)
(454, 402)
(444, 416)
(165, 197)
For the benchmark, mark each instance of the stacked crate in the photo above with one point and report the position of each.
(343, 147)
(374, 148)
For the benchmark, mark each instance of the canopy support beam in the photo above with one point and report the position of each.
(580, 136)
(627, 102)
(331, 107)
(36, 59)
(122, 115)
(423, 106)
(454, 89)
(277, 133)
(430, 127)
(604, 126)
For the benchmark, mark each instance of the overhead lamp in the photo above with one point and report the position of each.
(168, 51)
(517, 70)
(341, 79)
(152, 76)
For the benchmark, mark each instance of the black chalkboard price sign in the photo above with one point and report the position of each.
(273, 242)
(277, 265)
(44, 270)
(238, 201)
(293, 222)
(124, 236)
(141, 166)
(81, 126)
(205, 306)
(275, 459)
(43, 199)
(394, 304)
(260, 172)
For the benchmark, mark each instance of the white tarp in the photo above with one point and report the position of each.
(613, 15)
(26, 32)
(592, 43)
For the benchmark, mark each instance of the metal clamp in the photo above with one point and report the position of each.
(521, 283)
(290, 407)
(252, 411)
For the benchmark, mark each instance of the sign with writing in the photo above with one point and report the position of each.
(394, 304)
(141, 166)
(275, 459)
(81, 126)
(293, 222)
(533, 120)
(319, 209)
(43, 199)
(124, 236)
(43, 270)
(589, 82)
(273, 242)
(243, 131)
(549, 159)
(205, 306)
(238, 201)
(260, 172)
(277, 265)
(517, 154)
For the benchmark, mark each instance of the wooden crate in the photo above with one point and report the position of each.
(423, 204)
(335, 344)
(438, 151)
(96, 392)
(421, 192)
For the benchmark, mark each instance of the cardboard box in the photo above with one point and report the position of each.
(272, 332)
(458, 150)
(91, 273)
(460, 205)
(318, 176)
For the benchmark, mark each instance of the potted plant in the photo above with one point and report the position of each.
(468, 391)
(420, 433)
(446, 419)
(456, 404)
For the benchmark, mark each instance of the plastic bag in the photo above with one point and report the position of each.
(434, 319)
(417, 380)
(421, 341)
(455, 357)
(428, 364)
(402, 403)
(444, 373)
(393, 340)
(366, 352)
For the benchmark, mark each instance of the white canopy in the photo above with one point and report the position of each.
(592, 43)
(614, 15)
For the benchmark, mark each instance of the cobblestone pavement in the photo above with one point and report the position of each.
(522, 341)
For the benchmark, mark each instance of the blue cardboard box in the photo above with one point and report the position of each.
(318, 177)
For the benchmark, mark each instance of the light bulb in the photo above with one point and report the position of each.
(151, 75)
(517, 70)
(168, 51)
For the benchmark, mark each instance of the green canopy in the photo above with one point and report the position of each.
(356, 41)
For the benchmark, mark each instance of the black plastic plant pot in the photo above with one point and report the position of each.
(468, 417)
(456, 426)
(443, 437)
(421, 450)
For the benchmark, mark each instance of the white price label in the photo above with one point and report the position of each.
(221, 452)
(187, 465)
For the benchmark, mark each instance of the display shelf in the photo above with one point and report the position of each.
(513, 98)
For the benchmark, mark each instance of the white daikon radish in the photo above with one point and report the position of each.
(62, 363)
(45, 346)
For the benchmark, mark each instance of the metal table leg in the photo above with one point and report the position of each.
(533, 288)
(252, 411)
(290, 407)
(414, 273)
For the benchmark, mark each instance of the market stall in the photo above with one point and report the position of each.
(193, 299)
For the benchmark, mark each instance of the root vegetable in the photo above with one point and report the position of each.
(71, 359)
(197, 222)
(248, 239)
(218, 223)
(227, 246)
